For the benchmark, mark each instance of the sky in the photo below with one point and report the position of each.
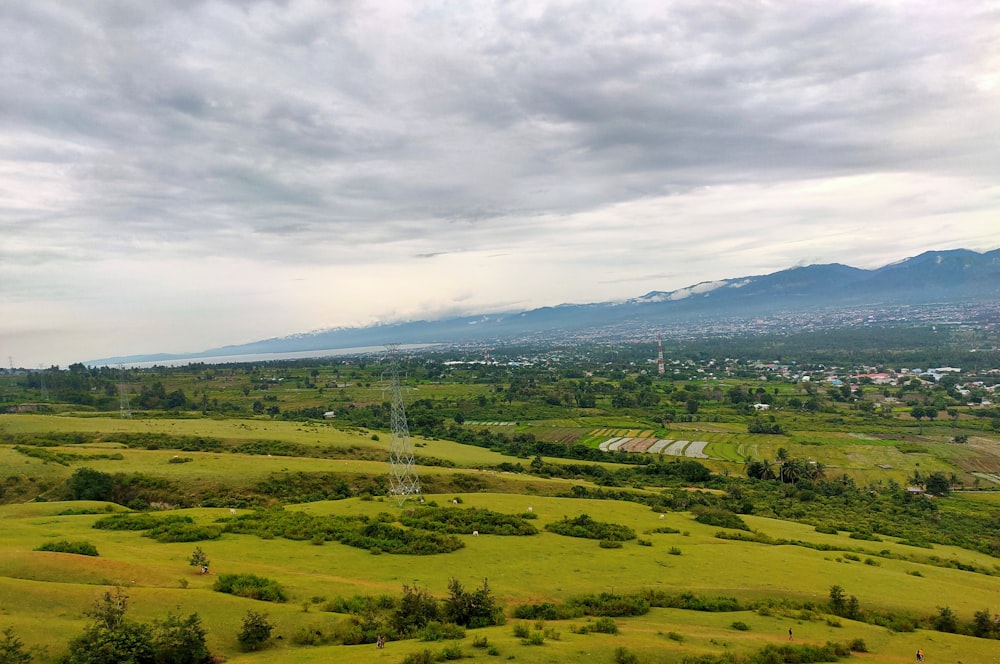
(178, 176)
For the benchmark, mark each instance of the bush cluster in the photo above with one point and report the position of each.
(64, 546)
(467, 521)
(361, 532)
(250, 586)
(585, 526)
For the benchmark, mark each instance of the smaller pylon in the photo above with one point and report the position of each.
(659, 355)
(124, 407)
(44, 391)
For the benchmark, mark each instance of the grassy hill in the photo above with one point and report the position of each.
(244, 465)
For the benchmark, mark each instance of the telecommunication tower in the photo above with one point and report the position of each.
(403, 480)
(124, 407)
(659, 354)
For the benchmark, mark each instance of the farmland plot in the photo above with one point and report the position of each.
(685, 448)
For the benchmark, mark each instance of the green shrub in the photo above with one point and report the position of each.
(183, 532)
(625, 656)
(414, 610)
(449, 653)
(521, 630)
(585, 526)
(609, 544)
(721, 518)
(605, 626)
(436, 631)
(423, 657)
(611, 605)
(141, 521)
(250, 586)
(12, 650)
(256, 631)
(64, 546)
(739, 625)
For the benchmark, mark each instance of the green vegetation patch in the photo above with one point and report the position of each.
(468, 521)
(378, 536)
(585, 526)
(250, 586)
(140, 521)
(64, 546)
(63, 458)
(170, 528)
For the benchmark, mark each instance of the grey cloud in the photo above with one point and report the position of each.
(319, 132)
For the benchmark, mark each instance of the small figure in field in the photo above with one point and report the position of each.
(789, 633)
(920, 655)
(380, 642)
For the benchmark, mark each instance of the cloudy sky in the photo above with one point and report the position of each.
(176, 176)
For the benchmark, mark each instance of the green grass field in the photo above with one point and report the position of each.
(43, 595)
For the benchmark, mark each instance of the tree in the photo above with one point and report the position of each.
(473, 610)
(838, 600)
(937, 484)
(12, 649)
(181, 641)
(945, 621)
(256, 631)
(761, 470)
(982, 624)
(416, 608)
(109, 609)
(90, 484)
(129, 642)
(112, 639)
(199, 559)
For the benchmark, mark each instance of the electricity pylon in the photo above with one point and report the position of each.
(403, 480)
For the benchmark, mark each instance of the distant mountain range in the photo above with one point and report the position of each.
(956, 276)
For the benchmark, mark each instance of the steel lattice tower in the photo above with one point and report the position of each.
(403, 480)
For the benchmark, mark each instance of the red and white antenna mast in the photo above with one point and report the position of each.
(659, 354)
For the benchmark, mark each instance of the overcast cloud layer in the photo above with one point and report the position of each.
(181, 175)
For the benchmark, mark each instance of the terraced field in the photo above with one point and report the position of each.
(686, 448)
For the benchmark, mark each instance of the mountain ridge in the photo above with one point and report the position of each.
(952, 276)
